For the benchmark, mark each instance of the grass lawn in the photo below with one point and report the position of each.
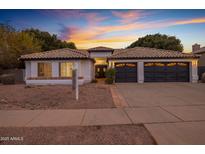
(18, 97)
(115, 134)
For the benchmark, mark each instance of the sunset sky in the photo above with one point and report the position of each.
(111, 28)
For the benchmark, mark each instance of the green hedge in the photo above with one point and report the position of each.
(110, 76)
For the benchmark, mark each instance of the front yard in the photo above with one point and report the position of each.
(20, 97)
(115, 134)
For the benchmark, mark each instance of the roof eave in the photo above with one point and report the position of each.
(73, 58)
(136, 58)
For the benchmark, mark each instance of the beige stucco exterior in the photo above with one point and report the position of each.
(84, 67)
(202, 60)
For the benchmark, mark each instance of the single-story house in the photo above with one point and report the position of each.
(137, 64)
(197, 49)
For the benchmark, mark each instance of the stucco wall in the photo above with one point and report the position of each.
(202, 60)
(27, 69)
(84, 70)
(100, 54)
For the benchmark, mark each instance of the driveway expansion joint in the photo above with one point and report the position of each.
(34, 118)
(81, 123)
(128, 116)
(171, 113)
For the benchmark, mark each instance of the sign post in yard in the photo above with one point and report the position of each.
(75, 85)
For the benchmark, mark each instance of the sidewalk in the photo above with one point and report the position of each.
(84, 117)
(77, 117)
(165, 127)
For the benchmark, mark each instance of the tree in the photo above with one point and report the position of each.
(13, 44)
(159, 41)
(48, 41)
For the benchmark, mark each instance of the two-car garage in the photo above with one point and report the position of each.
(143, 64)
(166, 72)
(153, 72)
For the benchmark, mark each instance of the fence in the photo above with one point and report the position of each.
(18, 74)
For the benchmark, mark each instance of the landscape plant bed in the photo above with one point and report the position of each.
(115, 134)
(19, 97)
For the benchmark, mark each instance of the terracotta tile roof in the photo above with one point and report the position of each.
(100, 48)
(148, 53)
(65, 53)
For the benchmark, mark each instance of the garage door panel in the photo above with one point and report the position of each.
(166, 72)
(126, 72)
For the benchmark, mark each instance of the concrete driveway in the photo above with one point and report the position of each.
(162, 94)
(174, 113)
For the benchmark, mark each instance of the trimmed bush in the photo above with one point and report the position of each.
(94, 81)
(203, 78)
(110, 76)
(109, 81)
(8, 79)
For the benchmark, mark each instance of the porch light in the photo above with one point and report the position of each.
(194, 63)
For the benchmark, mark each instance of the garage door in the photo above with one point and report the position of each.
(126, 72)
(166, 72)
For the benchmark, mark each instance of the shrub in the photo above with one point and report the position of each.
(110, 73)
(94, 81)
(8, 79)
(110, 76)
(203, 78)
(109, 81)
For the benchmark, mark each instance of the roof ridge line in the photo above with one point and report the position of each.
(77, 51)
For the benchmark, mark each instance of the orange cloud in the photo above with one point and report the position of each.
(90, 36)
(191, 21)
(92, 32)
(114, 42)
(128, 16)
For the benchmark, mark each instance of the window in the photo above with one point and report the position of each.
(120, 65)
(131, 65)
(44, 69)
(66, 69)
(182, 64)
(171, 64)
(149, 64)
(159, 64)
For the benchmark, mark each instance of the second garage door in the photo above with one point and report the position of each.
(126, 72)
(166, 72)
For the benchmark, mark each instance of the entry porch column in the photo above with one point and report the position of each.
(194, 71)
(140, 72)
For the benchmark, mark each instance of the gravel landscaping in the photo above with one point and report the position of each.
(115, 134)
(19, 96)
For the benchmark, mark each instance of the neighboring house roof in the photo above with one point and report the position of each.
(200, 51)
(65, 53)
(148, 53)
(100, 48)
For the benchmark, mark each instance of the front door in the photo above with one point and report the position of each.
(100, 71)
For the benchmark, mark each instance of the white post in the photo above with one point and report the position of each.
(194, 71)
(140, 72)
(77, 82)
